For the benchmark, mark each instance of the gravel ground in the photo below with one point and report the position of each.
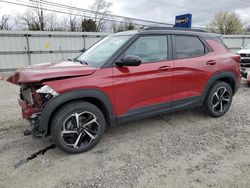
(183, 149)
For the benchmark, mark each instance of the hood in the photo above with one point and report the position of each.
(244, 51)
(45, 71)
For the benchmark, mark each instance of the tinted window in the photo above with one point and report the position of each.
(220, 40)
(188, 46)
(149, 48)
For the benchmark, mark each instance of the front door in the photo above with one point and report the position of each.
(148, 86)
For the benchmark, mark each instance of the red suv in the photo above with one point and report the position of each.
(125, 77)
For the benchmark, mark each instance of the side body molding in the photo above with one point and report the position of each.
(56, 102)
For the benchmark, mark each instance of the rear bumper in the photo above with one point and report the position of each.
(248, 79)
(237, 87)
(27, 110)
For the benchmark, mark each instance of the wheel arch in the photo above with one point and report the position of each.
(228, 77)
(94, 96)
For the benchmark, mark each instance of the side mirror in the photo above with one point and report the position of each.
(129, 60)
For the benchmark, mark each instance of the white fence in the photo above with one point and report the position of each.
(235, 42)
(22, 48)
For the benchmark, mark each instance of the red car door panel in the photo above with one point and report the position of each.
(141, 86)
(191, 75)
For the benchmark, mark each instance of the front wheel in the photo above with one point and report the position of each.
(219, 99)
(77, 127)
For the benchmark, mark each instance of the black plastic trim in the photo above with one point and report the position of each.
(56, 102)
(219, 76)
(159, 109)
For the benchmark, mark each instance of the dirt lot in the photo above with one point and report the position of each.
(184, 149)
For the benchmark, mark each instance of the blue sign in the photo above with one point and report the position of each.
(184, 20)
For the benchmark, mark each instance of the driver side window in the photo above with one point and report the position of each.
(150, 48)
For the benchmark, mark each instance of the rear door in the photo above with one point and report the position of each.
(194, 63)
(148, 84)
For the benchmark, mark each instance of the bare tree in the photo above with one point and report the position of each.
(52, 23)
(28, 20)
(33, 18)
(101, 8)
(226, 22)
(4, 23)
(70, 24)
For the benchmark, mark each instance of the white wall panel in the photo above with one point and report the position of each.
(43, 46)
(58, 46)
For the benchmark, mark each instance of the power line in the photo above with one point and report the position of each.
(184, 6)
(47, 6)
(101, 13)
(98, 13)
(81, 15)
(238, 2)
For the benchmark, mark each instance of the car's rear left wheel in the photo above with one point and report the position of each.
(219, 99)
(77, 127)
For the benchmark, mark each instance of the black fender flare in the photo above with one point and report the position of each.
(63, 98)
(218, 76)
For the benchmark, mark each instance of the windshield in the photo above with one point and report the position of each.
(247, 47)
(99, 53)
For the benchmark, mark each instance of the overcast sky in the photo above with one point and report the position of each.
(158, 10)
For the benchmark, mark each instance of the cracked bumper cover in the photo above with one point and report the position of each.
(27, 110)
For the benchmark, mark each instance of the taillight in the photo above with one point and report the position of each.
(236, 58)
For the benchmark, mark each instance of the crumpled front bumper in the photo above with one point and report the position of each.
(27, 110)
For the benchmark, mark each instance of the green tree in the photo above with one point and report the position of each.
(227, 23)
(88, 25)
(123, 27)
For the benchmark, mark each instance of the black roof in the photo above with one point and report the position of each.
(172, 29)
(168, 30)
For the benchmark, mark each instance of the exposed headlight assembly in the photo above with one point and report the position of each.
(47, 90)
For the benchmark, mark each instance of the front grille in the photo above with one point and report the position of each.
(245, 55)
(245, 60)
(26, 95)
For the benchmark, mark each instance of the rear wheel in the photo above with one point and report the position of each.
(77, 127)
(219, 99)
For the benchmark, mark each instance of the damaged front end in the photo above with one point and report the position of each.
(33, 97)
(35, 94)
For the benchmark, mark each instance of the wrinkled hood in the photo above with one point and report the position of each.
(244, 51)
(45, 71)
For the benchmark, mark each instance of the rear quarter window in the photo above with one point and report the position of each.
(217, 44)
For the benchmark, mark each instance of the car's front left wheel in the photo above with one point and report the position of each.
(77, 127)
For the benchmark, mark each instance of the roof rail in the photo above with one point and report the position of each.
(171, 28)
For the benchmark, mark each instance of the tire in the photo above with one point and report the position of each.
(219, 99)
(72, 137)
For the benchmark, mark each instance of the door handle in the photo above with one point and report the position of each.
(165, 68)
(211, 62)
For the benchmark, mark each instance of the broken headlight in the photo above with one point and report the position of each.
(47, 90)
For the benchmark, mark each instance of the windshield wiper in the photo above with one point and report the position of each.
(78, 60)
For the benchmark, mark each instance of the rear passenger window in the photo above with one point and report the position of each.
(188, 46)
(149, 48)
